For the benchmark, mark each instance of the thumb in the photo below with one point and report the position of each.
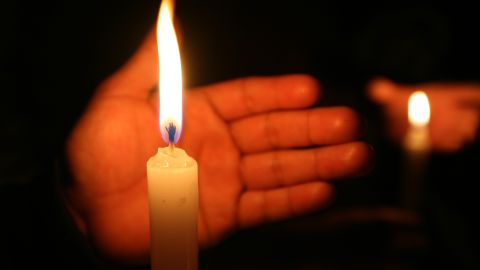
(138, 75)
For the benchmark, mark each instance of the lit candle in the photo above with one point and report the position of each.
(417, 149)
(172, 174)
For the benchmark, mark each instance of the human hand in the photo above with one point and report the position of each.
(455, 111)
(262, 155)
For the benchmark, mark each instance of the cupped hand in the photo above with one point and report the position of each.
(455, 111)
(263, 155)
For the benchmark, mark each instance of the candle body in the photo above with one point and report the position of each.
(417, 152)
(173, 201)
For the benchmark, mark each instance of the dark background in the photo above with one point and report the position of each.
(55, 54)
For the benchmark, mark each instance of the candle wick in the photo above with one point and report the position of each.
(171, 131)
(171, 146)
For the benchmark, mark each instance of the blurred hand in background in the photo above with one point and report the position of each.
(455, 111)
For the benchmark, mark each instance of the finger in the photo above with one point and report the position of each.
(381, 90)
(470, 126)
(467, 94)
(466, 125)
(139, 75)
(243, 97)
(459, 92)
(296, 129)
(450, 144)
(258, 207)
(287, 168)
(460, 124)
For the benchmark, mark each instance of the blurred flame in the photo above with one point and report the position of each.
(170, 73)
(418, 109)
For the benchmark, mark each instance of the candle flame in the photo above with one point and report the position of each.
(418, 109)
(170, 75)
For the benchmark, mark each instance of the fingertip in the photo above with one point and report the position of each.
(323, 195)
(308, 86)
(310, 197)
(380, 89)
(305, 89)
(348, 123)
(361, 157)
(138, 75)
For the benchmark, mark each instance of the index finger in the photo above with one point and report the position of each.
(248, 96)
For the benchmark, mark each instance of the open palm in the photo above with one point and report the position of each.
(262, 155)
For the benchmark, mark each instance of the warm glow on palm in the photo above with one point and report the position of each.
(253, 133)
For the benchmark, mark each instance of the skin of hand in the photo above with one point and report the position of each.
(454, 111)
(263, 155)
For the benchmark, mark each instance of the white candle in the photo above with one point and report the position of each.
(173, 199)
(172, 174)
(417, 150)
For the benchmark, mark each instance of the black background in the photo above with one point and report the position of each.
(56, 53)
